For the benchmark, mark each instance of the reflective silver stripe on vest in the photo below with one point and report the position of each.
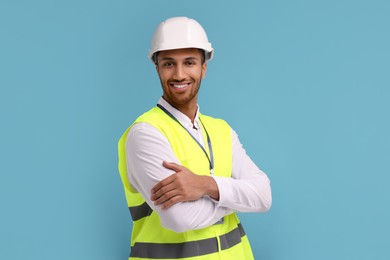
(140, 211)
(232, 238)
(187, 249)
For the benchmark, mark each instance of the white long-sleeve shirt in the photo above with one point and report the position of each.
(248, 190)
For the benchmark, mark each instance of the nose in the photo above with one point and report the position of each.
(179, 74)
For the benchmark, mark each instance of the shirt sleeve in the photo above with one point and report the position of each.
(146, 149)
(249, 188)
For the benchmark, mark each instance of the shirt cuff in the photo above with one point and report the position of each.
(223, 184)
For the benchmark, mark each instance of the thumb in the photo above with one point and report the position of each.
(172, 166)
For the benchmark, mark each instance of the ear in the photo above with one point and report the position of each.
(204, 69)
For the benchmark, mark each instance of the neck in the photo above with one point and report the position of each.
(188, 109)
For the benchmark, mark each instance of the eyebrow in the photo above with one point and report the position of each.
(187, 58)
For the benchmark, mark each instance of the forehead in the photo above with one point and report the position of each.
(179, 54)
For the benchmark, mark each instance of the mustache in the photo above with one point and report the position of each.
(178, 81)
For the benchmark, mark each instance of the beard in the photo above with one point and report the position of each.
(180, 100)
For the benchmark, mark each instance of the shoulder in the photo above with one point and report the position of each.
(145, 137)
(142, 126)
(150, 115)
(213, 120)
(148, 121)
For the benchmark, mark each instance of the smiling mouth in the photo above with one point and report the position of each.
(179, 85)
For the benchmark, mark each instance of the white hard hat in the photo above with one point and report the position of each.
(180, 33)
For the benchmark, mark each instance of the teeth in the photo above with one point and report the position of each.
(180, 86)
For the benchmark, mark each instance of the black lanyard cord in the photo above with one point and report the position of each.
(211, 158)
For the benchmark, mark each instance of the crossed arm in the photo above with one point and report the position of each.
(182, 186)
(184, 200)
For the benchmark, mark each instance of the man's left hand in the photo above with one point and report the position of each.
(182, 186)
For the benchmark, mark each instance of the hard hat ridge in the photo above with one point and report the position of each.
(180, 33)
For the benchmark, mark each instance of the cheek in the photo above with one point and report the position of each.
(163, 76)
(198, 74)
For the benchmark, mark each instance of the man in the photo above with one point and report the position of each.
(186, 174)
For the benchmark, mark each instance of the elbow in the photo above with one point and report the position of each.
(265, 199)
(175, 222)
(268, 203)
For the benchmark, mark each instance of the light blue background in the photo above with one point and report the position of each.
(304, 83)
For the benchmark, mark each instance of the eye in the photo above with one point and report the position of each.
(190, 63)
(167, 64)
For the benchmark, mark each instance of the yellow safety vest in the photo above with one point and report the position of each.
(150, 240)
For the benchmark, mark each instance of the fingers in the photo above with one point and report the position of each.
(161, 188)
(169, 203)
(167, 196)
(166, 181)
(169, 191)
(173, 166)
(168, 199)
